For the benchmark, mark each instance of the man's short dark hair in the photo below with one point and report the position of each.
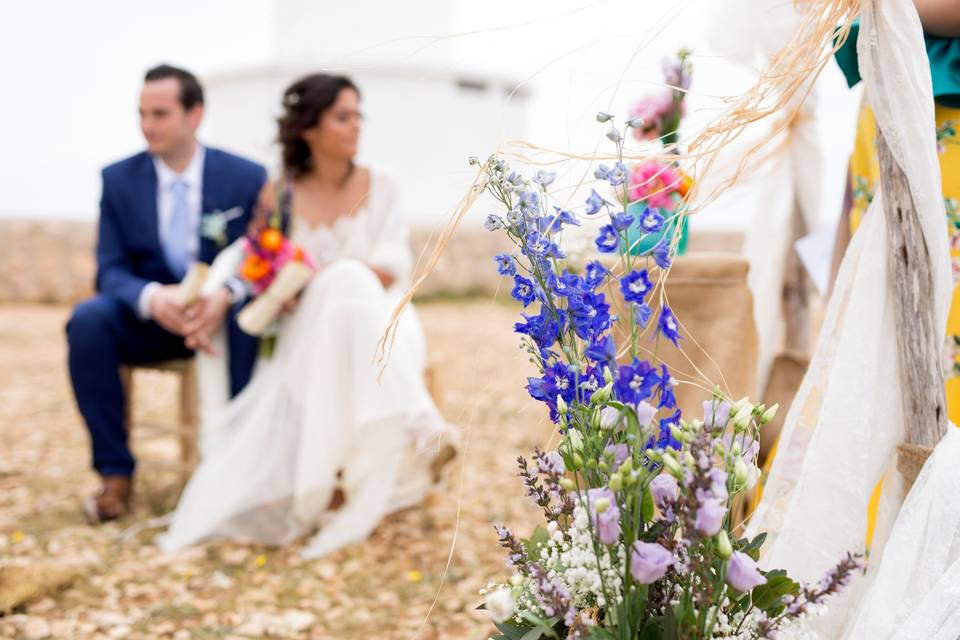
(191, 93)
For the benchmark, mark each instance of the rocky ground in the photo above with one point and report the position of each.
(418, 576)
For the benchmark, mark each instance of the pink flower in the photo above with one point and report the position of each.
(649, 561)
(605, 514)
(652, 110)
(654, 183)
(742, 572)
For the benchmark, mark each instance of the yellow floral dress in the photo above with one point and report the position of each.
(864, 177)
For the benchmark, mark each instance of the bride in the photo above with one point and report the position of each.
(321, 441)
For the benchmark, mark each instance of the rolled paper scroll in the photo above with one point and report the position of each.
(224, 268)
(257, 316)
(191, 284)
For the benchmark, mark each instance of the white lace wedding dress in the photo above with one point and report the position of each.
(315, 417)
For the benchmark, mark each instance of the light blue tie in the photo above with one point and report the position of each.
(178, 231)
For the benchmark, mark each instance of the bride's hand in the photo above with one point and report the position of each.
(290, 306)
(200, 341)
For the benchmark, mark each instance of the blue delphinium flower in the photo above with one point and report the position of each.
(636, 285)
(562, 217)
(515, 218)
(667, 325)
(557, 381)
(666, 439)
(665, 389)
(642, 314)
(505, 264)
(566, 284)
(635, 381)
(529, 200)
(492, 223)
(523, 290)
(621, 221)
(661, 254)
(602, 350)
(594, 274)
(618, 174)
(608, 240)
(544, 328)
(590, 381)
(602, 172)
(515, 179)
(594, 202)
(590, 314)
(545, 178)
(650, 220)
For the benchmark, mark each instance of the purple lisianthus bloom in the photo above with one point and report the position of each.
(594, 273)
(665, 490)
(718, 484)
(505, 264)
(523, 290)
(594, 202)
(650, 220)
(608, 240)
(621, 221)
(667, 325)
(602, 350)
(645, 413)
(620, 452)
(742, 572)
(665, 389)
(716, 413)
(607, 522)
(661, 254)
(710, 515)
(642, 314)
(636, 285)
(649, 561)
(635, 382)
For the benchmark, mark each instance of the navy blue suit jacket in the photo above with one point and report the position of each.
(129, 254)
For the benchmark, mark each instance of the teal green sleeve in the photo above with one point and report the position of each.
(943, 54)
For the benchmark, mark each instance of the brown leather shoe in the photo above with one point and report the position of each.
(111, 502)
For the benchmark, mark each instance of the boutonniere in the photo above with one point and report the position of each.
(213, 225)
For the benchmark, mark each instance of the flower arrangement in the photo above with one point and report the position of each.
(638, 542)
(653, 183)
(266, 252)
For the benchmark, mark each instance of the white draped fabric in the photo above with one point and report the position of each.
(841, 431)
(317, 415)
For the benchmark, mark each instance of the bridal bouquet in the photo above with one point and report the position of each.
(639, 542)
(276, 270)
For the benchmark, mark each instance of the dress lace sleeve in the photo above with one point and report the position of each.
(391, 235)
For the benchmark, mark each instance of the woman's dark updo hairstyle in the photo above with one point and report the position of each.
(303, 103)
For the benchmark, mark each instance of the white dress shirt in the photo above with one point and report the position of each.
(193, 177)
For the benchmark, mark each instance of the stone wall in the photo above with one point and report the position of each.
(51, 261)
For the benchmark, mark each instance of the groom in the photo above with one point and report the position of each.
(160, 211)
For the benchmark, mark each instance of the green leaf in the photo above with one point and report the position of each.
(770, 595)
(646, 506)
(539, 538)
(511, 631)
(752, 548)
(651, 631)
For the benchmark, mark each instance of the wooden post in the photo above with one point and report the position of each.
(919, 343)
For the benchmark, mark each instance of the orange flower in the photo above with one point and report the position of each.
(271, 240)
(297, 254)
(254, 268)
(686, 183)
